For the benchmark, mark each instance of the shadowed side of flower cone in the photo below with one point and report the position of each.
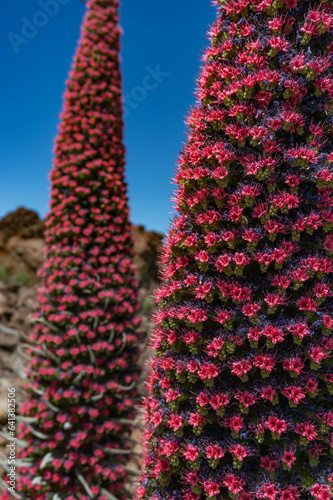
(79, 415)
(240, 402)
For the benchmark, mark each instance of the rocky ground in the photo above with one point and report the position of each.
(21, 254)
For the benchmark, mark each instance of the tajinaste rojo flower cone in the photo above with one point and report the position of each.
(82, 378)
(240, 394)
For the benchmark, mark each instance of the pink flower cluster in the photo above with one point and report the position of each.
(240, 391)
(82, 377)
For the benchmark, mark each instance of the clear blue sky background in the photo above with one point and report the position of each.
(171, 34)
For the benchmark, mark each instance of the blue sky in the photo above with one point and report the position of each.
(167, 37)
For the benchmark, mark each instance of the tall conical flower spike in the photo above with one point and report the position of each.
(240, 392)
(82, 378)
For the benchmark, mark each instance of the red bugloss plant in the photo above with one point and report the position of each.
(240, 401)
(82, 377)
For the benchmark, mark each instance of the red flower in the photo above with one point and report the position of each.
(276, 23)
(233, 483)
(239, 451)
(317, 354)
(196, 420)
(196, 316)
(191, 452)
(240, 368)
(269, 491)
(214, 347)
(219, 401)
(203, 399)
(214, 451)
(211, 488)
(274, 300)
(294, 365)
(157, 417)
(208, 371)
(321, 491)
(307, 430)
(169, 448)
(192, 478)
(246, 398)
(288, 457)
(241, 259)
(274, 334)
(307, 304)
(299, 330)
(202, 290)
(251, 309)
(172, 395)
(191, 337)
(266, 362)
(277, 425)
(268, 393)
(328, 244)
(222, 262)
(236, 423)
(175, 421)
(328, 321)
(224, 316)
(202, 256)
(294, 393)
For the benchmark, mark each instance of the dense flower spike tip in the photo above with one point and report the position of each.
(82, 378)
(240, 402)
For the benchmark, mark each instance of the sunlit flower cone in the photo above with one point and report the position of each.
(241, 387)
(82, 377)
